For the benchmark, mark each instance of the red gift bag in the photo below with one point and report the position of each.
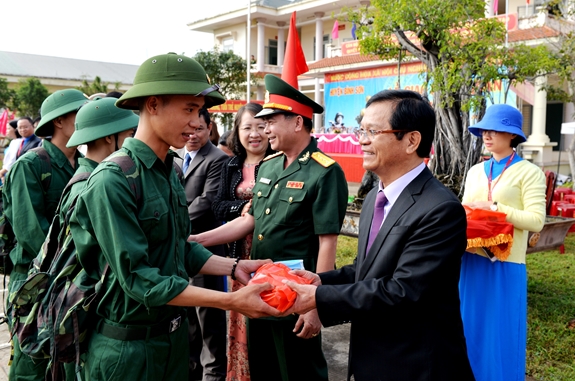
(281, 296)
(489, 229)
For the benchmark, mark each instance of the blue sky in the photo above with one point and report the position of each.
(122, 31)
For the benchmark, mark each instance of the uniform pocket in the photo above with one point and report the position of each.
(154, 220)
(291, 207)
(261, 194)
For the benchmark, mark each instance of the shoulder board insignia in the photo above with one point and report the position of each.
(322, 159)
(273, 155)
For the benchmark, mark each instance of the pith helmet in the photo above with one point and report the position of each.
(285, 98)
(171, 74)
(58, 104)
(101, 118)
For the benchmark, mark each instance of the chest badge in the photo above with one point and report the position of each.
(294, 184)
(265, 181)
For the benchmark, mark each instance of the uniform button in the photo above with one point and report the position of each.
(260, 237)
(260, 194)
(268, 211)
(276, 187)
(290, 199)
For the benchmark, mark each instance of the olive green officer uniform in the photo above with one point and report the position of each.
(291, 208)
(30, 209)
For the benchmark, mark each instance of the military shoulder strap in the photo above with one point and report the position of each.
(273, 155)
(322, 159)
(46, 166)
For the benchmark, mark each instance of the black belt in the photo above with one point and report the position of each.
(142, 333)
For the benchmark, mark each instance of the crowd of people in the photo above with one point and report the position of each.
(214, 209)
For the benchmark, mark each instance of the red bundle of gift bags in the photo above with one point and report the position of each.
(281, 296)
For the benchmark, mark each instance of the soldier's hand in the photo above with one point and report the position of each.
(248, 301)
(246, 208)
(245, 269)
(316, 281)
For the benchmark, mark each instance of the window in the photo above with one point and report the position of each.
(228, 44)
(325, 43)
(272, 52)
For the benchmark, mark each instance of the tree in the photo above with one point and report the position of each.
(6, 94)
(464, 54)
(228, 70)
(97, 86)
(29, 97)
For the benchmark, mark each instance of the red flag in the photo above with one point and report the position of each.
(335, 30)
(3, 122)
(495, 6)
(294, 59)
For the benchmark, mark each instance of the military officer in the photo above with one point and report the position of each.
(31, 194)
(298, 207)
(139, 335)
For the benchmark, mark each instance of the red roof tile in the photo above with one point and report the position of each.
(532, 34)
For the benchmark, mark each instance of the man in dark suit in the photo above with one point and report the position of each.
(29, 140)
(401, 293)
(201, 164)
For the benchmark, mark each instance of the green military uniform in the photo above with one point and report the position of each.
(291, 208)
(150, 262)
(30, 212)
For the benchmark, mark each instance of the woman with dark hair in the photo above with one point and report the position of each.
(493, 288)
(250, 145)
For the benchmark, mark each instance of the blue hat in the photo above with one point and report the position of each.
(502, 118)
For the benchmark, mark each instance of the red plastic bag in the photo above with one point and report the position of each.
(281, 297)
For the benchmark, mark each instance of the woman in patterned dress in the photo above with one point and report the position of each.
(250, 145)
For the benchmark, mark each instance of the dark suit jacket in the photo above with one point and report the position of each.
(201, 182)
(32, 143)
(403, 298)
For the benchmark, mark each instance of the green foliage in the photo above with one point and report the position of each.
(464, 54)
(29, 97)
(97, 86)
(551, 314)
(6, 94)
(551, 309)
(228, 70)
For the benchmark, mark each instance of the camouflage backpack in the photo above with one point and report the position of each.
(53, 312)
(7, 238)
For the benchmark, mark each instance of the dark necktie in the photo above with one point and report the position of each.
(20, 149)
(187, 162)
(378, 214)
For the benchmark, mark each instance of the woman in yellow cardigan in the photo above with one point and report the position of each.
(494, 292)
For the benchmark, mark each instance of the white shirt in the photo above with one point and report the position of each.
(10, 153)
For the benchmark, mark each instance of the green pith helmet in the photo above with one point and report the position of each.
(58, 104)
(171, 74)
(101, 118)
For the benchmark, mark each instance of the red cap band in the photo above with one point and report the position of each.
(296, 107)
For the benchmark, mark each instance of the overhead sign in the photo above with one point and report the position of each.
(232, 105)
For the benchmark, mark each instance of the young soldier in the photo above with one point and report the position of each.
(298, 207)
(31, 194)
(143, 240)
(103, 127)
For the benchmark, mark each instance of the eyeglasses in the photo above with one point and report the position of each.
(370, 134)
(489, 133)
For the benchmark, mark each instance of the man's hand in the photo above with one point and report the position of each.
(309, 324)
(305, 300)
(193, 238)
(245, 268)
(248, 301)
(316, 281)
